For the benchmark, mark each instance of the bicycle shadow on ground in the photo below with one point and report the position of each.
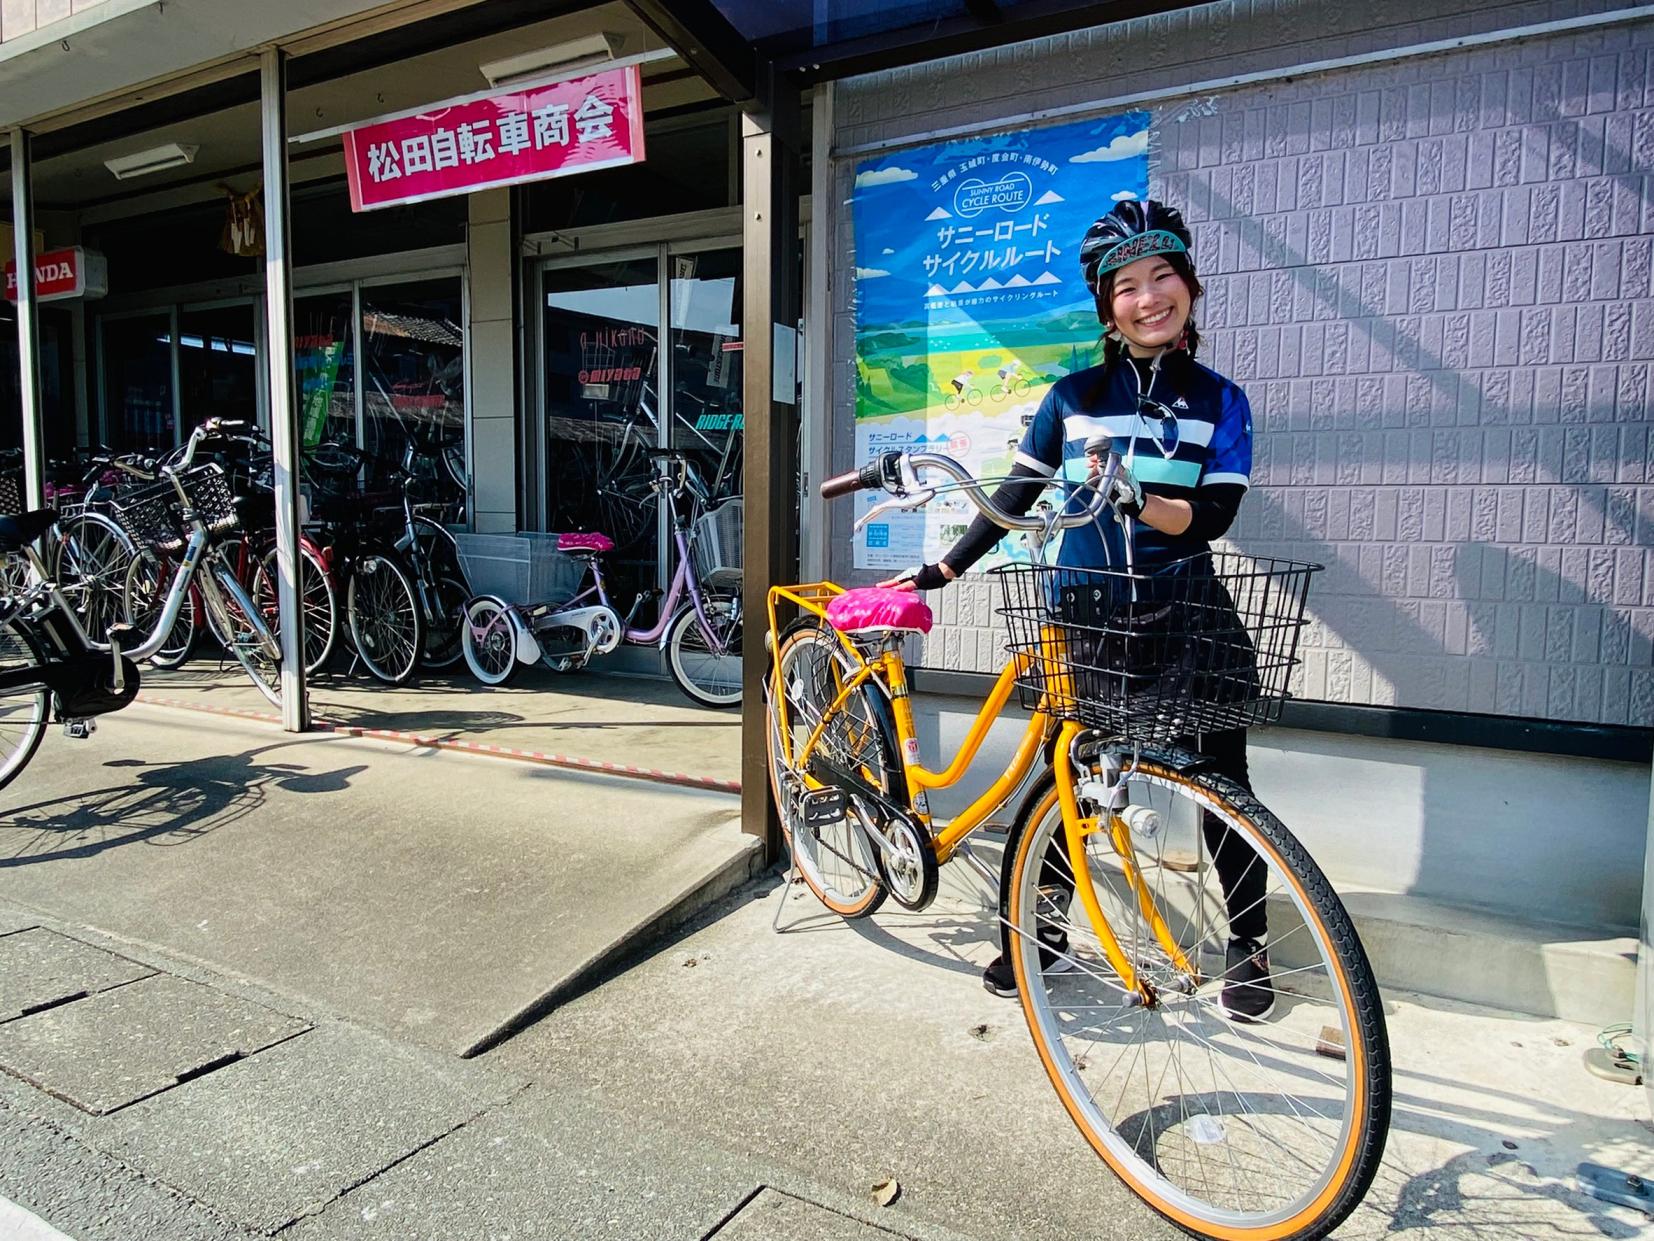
(161, 804)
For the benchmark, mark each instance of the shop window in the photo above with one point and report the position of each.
(326, 230)
(137, 383)
(167, 249)
(413, 346)
(57, 382)
(324, 368)
(217, 364)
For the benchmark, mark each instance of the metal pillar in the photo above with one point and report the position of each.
(284, 423)
(28, 323)
(770, 282)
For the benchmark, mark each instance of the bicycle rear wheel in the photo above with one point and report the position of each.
(318, 604)
(1235, 1129)
(23, 714)
(837, 860)
(237, 621)
(384, 617)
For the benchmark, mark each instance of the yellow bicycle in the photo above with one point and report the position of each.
(1245, 1131)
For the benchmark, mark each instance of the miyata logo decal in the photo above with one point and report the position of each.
(1011, 193)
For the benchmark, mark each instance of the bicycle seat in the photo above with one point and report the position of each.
(871, 609)
(595, 543)
(21, 529)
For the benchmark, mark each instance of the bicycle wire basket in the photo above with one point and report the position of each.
(151, 514)
(1198, 646)
(718, 536)
(523, 569)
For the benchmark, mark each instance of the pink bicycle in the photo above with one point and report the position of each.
(545, 598)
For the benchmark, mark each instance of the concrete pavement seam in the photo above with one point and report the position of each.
(574, 762)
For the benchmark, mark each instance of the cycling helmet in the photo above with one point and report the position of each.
(1133, 230)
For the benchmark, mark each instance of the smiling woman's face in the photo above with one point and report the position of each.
(1149, 304)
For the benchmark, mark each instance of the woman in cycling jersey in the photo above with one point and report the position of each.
(1186, 434)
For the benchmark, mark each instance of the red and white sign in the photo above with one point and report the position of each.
(505, 139)
(60, 274)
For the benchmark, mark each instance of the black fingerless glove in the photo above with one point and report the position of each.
(930, 577)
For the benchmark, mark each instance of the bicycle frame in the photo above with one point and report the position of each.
(683, 579)
(888, 672)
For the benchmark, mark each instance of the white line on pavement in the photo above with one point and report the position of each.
(16, 1224)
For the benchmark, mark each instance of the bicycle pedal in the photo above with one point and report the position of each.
(822, 807)
(80, 730)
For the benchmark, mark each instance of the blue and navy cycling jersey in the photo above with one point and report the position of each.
(1201, 451)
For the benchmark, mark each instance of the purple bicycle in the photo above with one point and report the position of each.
(543, 597)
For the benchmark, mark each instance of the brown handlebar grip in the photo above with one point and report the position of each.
(843, 485)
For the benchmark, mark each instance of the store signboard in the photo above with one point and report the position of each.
(970, 303)
(508, 138)
(61, 274)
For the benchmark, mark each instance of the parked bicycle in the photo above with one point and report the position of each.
(50, 667)
(551, 602)
(1229, 1129)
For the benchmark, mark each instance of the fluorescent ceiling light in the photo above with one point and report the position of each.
(591, 49)
(172, 155)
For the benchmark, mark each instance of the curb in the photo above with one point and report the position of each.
(568, 761)
(674, 912)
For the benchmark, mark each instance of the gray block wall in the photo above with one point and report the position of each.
(1433, 278)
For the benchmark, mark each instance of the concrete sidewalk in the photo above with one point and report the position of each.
(433, 896)
(236, 974)
(594, 714)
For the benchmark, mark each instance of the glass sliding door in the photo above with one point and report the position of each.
(136, 361)
(706, 407)
(218, 366)
(601, 343)
(324, 368)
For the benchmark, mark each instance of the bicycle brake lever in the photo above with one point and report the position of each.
(913, 500)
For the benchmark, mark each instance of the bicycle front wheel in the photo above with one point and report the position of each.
(89, 563)
(23, 713)
(836, 860)
(707, 674)
(144, 599)
(384, 618)
(1244, 1130)
(236, 619)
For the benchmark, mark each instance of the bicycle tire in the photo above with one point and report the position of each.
(1346, 1149)
(842, 871)
(489, 641)
(704, 676)
(318, 601)
(383, 611)
(237, 617)
(23, 715)
(89, 561)
(444, 643)
(142, 599)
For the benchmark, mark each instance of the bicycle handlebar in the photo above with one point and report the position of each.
(899, 474)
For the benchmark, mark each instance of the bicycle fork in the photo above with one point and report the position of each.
(1107, 789)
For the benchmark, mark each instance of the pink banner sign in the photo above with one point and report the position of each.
(506, 139)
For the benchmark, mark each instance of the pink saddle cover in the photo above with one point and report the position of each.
(585, 543)
(879, 607)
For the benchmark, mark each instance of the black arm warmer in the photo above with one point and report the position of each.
(981, 536)
(1214, 510)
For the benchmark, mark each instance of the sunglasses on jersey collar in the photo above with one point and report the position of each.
(1162, 420)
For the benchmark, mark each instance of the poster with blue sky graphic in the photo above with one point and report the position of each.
(970, 304)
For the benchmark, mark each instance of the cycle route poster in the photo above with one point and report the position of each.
(970, 303)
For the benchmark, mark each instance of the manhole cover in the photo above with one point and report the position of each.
(40, 968)
(120, 1046)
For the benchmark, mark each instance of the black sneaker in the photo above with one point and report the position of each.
(1247, 995)
(1053, 954)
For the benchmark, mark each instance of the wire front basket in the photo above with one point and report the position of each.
(150, 514)
(1201, 645)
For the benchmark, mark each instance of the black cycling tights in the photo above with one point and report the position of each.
(1240, 870)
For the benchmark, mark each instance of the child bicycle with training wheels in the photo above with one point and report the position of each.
(1140, 874)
